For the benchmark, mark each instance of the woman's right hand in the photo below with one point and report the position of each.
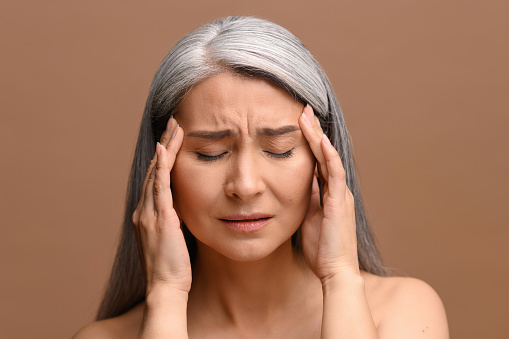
(161, 245)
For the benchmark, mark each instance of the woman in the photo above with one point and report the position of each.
(247, 221)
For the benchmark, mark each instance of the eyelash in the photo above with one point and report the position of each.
(287, 154)
(204, 157)
(210, 157)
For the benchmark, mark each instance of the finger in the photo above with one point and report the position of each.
(161, 187)
(163, 200)
(164, 141)
(341, 199)
(314, 202)
(148, 192)
(168, 133)
(174, 145)
(313, 134)
(137, 211)
(336, 180)
(173, 128)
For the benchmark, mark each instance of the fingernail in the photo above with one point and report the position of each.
(310, 113)
(158, 149)
(327, 141)
(175, 131)
(171, 131)
(305, 118)
(168, 125)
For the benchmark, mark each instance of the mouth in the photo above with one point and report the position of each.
(246, 223)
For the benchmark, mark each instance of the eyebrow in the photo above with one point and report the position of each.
(278, 131)
(226, 133)
(209, 134)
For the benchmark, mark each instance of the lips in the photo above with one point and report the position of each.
(246, 222)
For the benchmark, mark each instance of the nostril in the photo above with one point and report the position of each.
(244, 180)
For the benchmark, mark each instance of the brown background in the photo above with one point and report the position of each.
(423, 85)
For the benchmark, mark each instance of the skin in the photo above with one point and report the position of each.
(252, 284)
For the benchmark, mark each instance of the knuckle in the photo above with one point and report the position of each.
(335, 155)
(145, 219)
(164, 138)
(337, 169)
(160, 165)
(342, 174)
(151, 175)
(135, 218)
(151, 165)
(350, 196)
(158, 188)
(163, 213)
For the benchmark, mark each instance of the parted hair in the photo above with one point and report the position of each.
(251, 47)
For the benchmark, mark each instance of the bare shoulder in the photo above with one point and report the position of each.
(404, 307)
(126, 326)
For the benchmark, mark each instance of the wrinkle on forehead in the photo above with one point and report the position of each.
(237, 103)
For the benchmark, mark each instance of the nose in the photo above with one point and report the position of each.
(245, 178)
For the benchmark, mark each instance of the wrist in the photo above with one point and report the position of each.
(346, 311)
(163, 296)
(165, 314)
(346, 280)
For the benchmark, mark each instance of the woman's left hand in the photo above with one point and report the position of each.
(329, 238)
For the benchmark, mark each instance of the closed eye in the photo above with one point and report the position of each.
(206, 157)
(286, 154)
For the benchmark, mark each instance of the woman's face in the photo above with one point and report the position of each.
(242, 179)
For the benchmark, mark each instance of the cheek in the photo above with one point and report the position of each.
(293, 181)
(191, 187)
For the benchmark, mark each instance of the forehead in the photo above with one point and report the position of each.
(237, 102)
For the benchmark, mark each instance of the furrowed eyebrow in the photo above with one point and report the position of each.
(209, 134)
(226, 133)
(278, 131)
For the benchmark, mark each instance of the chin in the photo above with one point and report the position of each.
(246, 250)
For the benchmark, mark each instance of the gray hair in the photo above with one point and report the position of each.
(250, 47)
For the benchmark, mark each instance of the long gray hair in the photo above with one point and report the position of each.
(251, 47)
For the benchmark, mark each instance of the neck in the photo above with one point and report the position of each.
(255, 291)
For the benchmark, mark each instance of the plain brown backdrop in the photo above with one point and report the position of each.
(423, 86)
